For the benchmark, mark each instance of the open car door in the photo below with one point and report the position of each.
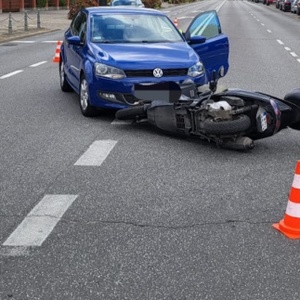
(205, 36)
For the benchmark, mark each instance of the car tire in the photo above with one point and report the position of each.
(84, 99)
(131, 113)
(64, 85)
(240, 124)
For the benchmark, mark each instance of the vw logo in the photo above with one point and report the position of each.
(157, 72)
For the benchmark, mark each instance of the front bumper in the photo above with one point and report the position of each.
(117, 94)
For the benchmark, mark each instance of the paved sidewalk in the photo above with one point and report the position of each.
(50, 20)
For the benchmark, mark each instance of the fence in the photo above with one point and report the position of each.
(10, 24)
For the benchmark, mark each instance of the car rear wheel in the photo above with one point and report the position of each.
(84, 99)
(64, 85)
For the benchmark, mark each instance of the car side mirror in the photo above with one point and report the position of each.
(198, 39)
(74, 40)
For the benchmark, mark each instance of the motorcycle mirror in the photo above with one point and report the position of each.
(167, 91)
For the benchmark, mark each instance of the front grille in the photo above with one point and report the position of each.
(149, 73)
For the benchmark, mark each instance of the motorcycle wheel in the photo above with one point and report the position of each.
(237, 125)
(132, 113)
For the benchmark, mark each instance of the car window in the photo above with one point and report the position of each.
(82, 28)
(76, 23)
(207, 25)
(133, 28)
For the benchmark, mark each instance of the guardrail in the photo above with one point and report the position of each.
(9, 25)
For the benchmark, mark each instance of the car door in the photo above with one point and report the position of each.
(205, 36)
(74, 50)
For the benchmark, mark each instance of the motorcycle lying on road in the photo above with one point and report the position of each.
(232, 119)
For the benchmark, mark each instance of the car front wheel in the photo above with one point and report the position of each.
(64, 85)
(84, 99)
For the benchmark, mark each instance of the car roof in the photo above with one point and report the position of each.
(122, 9)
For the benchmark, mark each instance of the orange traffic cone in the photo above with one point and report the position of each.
(175, 22)
(56, 58)
(290, 224)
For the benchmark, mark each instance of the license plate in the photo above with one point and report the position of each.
(263, 121)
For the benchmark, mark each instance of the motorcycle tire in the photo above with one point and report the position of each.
(237, 125)
(132, 113)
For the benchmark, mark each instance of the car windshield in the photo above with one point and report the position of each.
(133, 28)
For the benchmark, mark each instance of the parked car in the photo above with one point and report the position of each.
(107, 50)
(294, 6)
(285, 5)
(298, 8)
(138, 3)
(268, 2)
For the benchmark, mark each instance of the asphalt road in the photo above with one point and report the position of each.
(157, 217)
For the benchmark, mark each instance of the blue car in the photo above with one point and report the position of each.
(108, 50)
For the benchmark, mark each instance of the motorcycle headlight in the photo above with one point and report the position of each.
(196, 70)
(103, 70)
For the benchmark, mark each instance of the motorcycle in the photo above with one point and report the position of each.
(232, 118)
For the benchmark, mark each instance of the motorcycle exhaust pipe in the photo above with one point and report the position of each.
(241, 143)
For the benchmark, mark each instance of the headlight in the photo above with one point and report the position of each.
(108, 71)
(196, 70)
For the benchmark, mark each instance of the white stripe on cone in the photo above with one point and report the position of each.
(293, 209)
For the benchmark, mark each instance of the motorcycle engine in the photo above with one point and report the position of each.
(220, 110)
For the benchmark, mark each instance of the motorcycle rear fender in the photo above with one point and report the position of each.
(279, 109)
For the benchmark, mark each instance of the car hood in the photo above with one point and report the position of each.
(137, 56)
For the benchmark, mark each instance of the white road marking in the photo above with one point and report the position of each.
(24, 42)
(280, 42)
(50, 41)
(262, 24)
(121, 122)
(294, 54)
(40, 222)
(38, 64)
(11, 74)
(298, 60)
(287, 48)
(96, 154)
(269, 30)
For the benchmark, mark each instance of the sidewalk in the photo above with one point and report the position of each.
(50, 20)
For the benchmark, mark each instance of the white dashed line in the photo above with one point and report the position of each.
(287, 48)
(298, 60)
(24, 42)
(46, 42)
(294, 54)
(280, 42)
(96, 154)
(121, 122)
(269, 30)
(38, 64)
(11, 74)
(40, 222)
